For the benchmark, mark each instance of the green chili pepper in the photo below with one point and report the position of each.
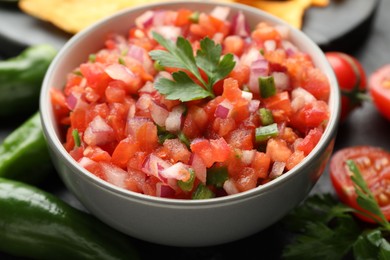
(217, 175)
(21, 78)
(264, 133)
(24, 155)
(266, 116)
(267, 86)
(38, 225)
(202, 192)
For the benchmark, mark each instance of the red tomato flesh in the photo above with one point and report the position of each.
(379, 87)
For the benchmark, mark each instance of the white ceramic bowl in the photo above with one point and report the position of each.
(183, 222)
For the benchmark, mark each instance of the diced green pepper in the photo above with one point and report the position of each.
(264, 133)
(266, 116)
(194, 17)
(189, 184)
(267, 86)
(76, 137)
(217, 176)
(202, 192)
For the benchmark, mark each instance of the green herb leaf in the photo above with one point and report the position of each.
(365, 198)
(208, 59)
(371, 245)
(181, 56)
(326, 229)
(182, 88)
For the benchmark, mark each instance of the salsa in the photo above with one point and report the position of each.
(193, 105)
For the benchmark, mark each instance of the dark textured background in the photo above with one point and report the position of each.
(351, 26)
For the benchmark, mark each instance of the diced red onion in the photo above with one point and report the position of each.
(270, 45)
(283, 30)
(164, 74)
(259, 68)
(174, 119)
(120, 72)
(300, 97)
(240, 25)
(247, 95)
(114, 174)
(250, 56)
(178, 171)
(247, 156)
(220, 12)
(289, 47)
(72, 100)
(164, 191)
(277, 169)
(134, 123)
(144, 102)
(254, 105)
(282, 80)
(169, 31)
(230, 187)
(147, 88)
(144, 20)
(131, 112)
(136, 52)
(159, 18)
(218, 38)
(154, 165)
(223, 109)
(98, 132)
(86, 162)
(158, 114)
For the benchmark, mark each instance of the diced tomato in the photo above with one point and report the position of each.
(61, 110)
(240, 73)
(124, 151)
(246, 179)
(178, 152)
(264, 32)
(135, 180)
(97, 154)
(234, 44)
(309, 142)
(241, 139)
(96, 77)
(261, 164)
(295, 158)
(183, 17)
(278, 150)
(211, 151)
(312, 115)
(223, 126)
(317, 84)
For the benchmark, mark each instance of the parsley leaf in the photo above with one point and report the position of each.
(372, 245)
(182, 88)
(181, 56)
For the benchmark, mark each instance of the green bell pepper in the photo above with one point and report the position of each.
(38, 225)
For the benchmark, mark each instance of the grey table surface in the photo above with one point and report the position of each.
(370, 44)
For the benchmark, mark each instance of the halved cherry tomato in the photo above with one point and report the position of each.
(379, 87)
(373, 164)
(351, 77)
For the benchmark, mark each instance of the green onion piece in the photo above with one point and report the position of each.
(194, 17)
(163, 134)
(184, 139)
(217, 176)
(202, 192)
(121, 61)
(264, 133)
(266, 116)
(267, 86)
(124, 52)
(189, 184)
(92, 57)
(261, 51)
(76, 137)
(157, 66)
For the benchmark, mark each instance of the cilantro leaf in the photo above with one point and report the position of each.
(182, 88)
(181, 56)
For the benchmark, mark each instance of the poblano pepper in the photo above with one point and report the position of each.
(24, 155)
(21, 78)
(38, 225)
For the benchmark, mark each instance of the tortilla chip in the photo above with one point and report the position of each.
(74, 15)
(291, 11)
(320, 3)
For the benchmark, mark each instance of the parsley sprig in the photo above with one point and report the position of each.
(326, 229)
(181, 56)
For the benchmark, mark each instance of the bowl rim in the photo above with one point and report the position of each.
(54, 142)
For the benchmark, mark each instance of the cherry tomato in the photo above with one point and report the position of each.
(351, 78)
(379, 88)
(373, 164)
